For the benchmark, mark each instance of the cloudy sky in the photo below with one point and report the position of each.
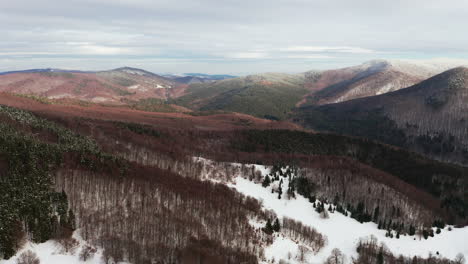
(227, 36)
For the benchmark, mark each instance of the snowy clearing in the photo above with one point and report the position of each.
(345, 232)
(53, 252)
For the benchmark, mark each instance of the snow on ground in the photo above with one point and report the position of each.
(99, 99)
(133, 87)
(60, 96)
(286, 249)
(137, 72)
(52, 252)
(344, 232)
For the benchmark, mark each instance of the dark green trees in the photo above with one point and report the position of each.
(270, 228)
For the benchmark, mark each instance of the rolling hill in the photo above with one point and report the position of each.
(116, 86)
(274, 95)
(269, 95)
(368, 79)
(173, 187)
(190, 78)
(429, 117)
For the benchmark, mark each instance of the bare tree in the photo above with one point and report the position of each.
(336, 257)
(302, 253)
(324, 214)
(459, 259)
(28, 257)
(87, 252)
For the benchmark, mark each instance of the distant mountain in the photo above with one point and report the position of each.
(41, 70)
(189, 78)
(269, 95)
(211, 76)
(369, 79)
(430, 117)
(118, 86)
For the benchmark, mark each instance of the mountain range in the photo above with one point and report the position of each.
(428, 117)
(367, 163)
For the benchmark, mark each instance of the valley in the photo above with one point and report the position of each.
(170, 179)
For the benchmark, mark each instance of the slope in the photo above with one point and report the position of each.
(429, 117)
(369, 79)
(270, 95)
(119, 86)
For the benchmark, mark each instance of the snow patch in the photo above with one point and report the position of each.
(53, 252)
(99, 99)
(134, 87)
(344, 232)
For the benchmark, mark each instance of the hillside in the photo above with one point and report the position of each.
(274, 95)
(191, 78)
(429, 117)
(270, 95)
(117, 86)
(369, 79)
(150, 197)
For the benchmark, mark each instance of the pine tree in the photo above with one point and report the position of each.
(71, 220)
(412, 230)
(268, 227)
(380, 257)
(266, 181)
(276, 225)
(425, 234)
(376, 214)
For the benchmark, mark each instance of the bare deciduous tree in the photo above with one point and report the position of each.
(336, 257)
(28, 257)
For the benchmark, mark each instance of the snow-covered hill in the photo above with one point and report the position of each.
(342, 232)
(73, 251)
(339, 231)
(373, 78)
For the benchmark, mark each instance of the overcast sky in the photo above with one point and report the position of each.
(227, 36)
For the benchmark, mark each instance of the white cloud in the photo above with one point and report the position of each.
(247, 55)
(306, 56)
(103, 50)
(343, 49)
(28, 53)
(260, 35)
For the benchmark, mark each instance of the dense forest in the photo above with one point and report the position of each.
(143, 194)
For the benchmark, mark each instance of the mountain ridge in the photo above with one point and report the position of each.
(428, 117)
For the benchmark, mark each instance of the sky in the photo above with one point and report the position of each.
(227, 36)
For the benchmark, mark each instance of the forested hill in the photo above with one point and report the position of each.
(150, 197)
(429, 118)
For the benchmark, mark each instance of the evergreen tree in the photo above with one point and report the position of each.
(380, 257)
(268, 227)
(71, 220)
(336, 200)
(425, 234)
(376, 214)
(266, 182)
(412, 230)
(276, 225)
